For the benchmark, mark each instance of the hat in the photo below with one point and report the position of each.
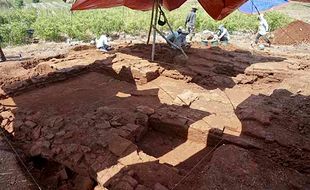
(194, 8)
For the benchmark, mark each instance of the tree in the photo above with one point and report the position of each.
(35, 1)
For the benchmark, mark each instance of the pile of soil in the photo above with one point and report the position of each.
(295, 33)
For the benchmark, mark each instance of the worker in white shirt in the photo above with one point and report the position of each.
(262, 29)
(102, 43)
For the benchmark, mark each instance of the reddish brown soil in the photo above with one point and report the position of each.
(224, 118)
(295, 33)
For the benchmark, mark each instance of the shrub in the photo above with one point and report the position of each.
(14, 33)
(19, 3)
(277, 20)
(14, 24)
(48, 29)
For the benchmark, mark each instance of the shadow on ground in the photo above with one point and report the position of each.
(272, 150)
(209, 67)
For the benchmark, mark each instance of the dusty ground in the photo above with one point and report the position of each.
(302, 8)
(225, 118)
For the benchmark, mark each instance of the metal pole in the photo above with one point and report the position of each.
(150, 30)
(2, 56)
(154, 31)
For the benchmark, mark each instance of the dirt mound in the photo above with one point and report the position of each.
(82, 47)
(295, 33)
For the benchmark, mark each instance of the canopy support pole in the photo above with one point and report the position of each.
(171, 30)
(154, 31)
(150, 30)
(2, 56)
(255, 7)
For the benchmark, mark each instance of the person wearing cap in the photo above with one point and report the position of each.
(262, 30)
(190, 22)
(223, 34)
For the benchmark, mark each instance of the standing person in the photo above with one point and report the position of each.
(262, 29)
(190, 22)
(223, 34)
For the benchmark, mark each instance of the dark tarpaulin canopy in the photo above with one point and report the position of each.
(217, 9)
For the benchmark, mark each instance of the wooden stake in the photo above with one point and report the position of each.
(2, 56)
(150, 30)
(154, 31)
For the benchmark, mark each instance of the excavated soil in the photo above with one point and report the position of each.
(295, 33)
(225, 118)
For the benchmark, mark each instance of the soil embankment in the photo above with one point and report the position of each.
(295, 33)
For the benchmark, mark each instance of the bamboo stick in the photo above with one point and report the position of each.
(150, 30)
(154, 31)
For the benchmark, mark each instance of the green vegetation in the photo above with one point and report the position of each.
(59, 24)
(5, 4)
(19, 3)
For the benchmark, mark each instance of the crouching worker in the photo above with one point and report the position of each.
(102, 43)
(179, 38)
(223, 34)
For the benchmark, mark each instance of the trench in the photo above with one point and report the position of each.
(84, 123)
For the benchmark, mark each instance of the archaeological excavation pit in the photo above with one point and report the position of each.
(87, 120)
